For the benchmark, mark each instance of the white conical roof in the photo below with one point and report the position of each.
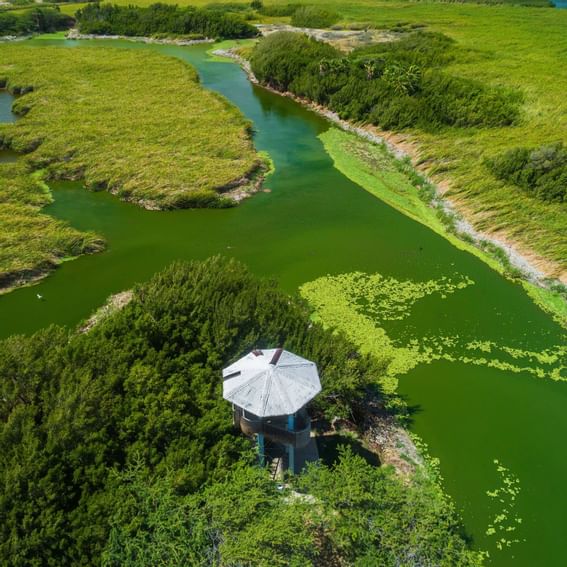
(271, 382)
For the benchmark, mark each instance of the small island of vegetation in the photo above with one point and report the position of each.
(131, 459)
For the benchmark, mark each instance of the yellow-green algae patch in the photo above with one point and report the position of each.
(505, 521)
(357, 304)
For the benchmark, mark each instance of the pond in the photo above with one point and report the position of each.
(315, 222)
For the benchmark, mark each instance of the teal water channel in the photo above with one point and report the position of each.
(315, 222)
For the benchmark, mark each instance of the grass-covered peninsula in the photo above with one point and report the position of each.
(33, 243)
(136, 124)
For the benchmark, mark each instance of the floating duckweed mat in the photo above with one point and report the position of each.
(358, 304)
(505, 522)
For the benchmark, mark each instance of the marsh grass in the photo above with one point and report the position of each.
(513, 47)
(135, 123)
(32, 243)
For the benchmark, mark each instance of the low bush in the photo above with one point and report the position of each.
(282, 57)
(313, 17)
(394, 85)
(540, 171)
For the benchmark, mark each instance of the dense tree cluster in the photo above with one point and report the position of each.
(394, 85)
(116, 446)
(539, 171)
(36, 20)
(161, 19)
(350, 513)
(143, 386)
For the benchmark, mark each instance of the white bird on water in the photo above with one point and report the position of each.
(39, 296)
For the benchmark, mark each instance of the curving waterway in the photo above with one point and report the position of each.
(479, 403)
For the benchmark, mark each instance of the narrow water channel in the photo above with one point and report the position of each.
(315, 222)
(6, 114)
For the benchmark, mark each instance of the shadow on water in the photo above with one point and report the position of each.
(413, 410)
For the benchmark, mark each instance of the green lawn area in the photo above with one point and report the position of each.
(135, 123)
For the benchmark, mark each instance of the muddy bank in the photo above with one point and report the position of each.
(113, 304)
(343, 39)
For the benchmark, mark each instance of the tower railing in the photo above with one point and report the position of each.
(276, 428)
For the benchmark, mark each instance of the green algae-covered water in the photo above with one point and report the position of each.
(484, 401)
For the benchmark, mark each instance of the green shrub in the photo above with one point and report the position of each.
(36, 20)
(313, 17)
(349, 514)
(282, 57)
(540, 171)
(162, 18)
(394, 85)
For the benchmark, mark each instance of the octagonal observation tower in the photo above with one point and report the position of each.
(269, 391)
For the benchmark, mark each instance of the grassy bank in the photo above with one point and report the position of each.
(515, 47)
(395, 182)
(137, 124)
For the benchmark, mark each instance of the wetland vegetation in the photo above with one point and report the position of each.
(33, 243)
(191, 145)
(144, 426)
